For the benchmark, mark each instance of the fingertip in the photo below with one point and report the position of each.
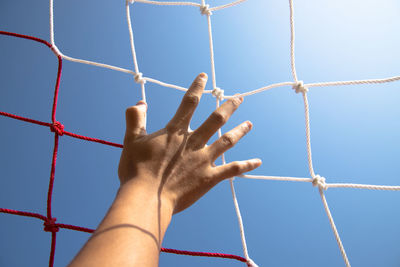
(135, 117)
(201, 80)
(257, 162)
(239, 97)
(203, 76)
(136, 112)
(249, 124)
(142, 104)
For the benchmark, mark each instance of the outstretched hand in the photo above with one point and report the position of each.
(176, 163)
(162, 173)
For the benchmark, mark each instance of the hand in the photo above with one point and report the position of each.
(161, 174)
(175, 163)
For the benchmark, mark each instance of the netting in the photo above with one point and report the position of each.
(50, 224)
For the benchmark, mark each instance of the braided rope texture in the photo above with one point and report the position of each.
(50, 223)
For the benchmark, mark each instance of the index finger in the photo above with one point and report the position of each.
(189, 103)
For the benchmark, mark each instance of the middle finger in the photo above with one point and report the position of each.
(215, 121)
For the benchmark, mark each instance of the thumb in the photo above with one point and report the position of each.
(136, 119)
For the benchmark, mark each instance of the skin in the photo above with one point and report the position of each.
(162, 174)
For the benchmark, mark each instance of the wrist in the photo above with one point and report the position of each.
(147, 189)
(138, 205)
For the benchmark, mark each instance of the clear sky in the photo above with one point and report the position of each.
(354, 129)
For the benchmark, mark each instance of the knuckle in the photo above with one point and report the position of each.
(141, 130)
(236, 167)
(197, 84)
(191, 99)
(194, 142)
(172, 127)
(228, 140)
(218, 118)
(128, 139)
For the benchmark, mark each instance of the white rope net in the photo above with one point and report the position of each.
(297, 85)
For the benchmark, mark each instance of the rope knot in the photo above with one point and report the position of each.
(319, 181)
(205, 10)
(50, 225)
(251, 263)
(218, 93)
(57, 128)
(299, 87)
(139, 78)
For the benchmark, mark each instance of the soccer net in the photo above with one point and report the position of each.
(299, 87)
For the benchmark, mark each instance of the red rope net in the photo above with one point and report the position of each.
(49, 222)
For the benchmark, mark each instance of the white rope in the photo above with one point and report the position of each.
(299, 87)
(308, 135)
(333, 226)
(174, 3)
(138, 76)
(164, 84)
(240, 220)
(211, 45)
(317, 180)
(131, 39)
(218, 93)
(292, 38)
(250, 262)
(205, 10)
(355, 82)
(92, 63)
(320, 182)
(58, 52)
(262, 89)
(227, 5)
(365, 186)
(51, 22)
(97, 64)
(237, 208)
(276, 178)
(159, 3)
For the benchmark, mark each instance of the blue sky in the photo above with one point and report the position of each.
(354, 129)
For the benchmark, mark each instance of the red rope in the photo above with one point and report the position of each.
(93, 139)
(75, 228)
(49, 222)
(59, 128)
(24, 119)
(23, 213)
(27, 37)
(204, 254)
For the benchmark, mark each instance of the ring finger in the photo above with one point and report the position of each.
(228, 140)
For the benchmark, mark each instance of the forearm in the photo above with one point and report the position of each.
(132, 231)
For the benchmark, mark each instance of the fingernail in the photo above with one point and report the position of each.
(256, 161)
(203, 76)
(240, 98)
(142, 103)
(249, 124)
